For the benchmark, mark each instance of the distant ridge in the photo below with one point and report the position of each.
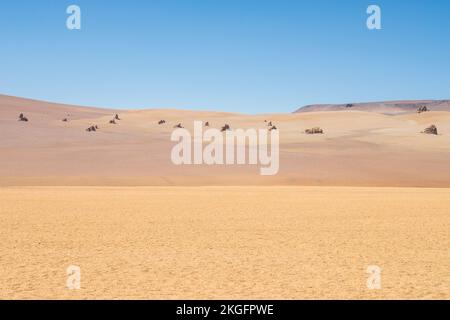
(386, 107)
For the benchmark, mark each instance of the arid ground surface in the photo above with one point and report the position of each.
(224, 242)
(371, 190)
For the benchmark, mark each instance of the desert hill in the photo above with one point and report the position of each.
(357, 148)
(386, 107)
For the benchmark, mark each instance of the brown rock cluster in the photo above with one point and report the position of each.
(315, 130)
(23, 118)
(431, 130)
(422, 109)
(92, 128)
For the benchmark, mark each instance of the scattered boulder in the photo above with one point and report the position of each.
(116, 117)
(273, 128)
(226, 127)
(65, 120)
(161, 122)
(349, 105)
(113, 121)
(178, 126)
(315, 130)
(92, 128)
(207, 124)
(270, 124)
(422, 109)
(431, 130)
(23, 118)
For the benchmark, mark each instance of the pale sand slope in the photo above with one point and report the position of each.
(358, 148)
(224, 242)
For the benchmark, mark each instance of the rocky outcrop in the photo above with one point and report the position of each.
(92, 128)
(23, 118)
(315, 130)
(431, 130)
(422, 109)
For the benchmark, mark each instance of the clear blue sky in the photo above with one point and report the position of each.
(252, 56)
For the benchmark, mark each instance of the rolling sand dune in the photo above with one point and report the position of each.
(358, 148)
(139, 227)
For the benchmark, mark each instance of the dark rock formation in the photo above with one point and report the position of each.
(315, 130)
(422, 109)
(92, 128)
(431, 130)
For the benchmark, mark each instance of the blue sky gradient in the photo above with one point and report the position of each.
(252, 56)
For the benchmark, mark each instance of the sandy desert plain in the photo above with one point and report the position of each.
(371, 190)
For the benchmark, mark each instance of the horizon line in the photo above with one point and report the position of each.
(210, 110)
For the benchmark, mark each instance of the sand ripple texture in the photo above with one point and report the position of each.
(224, 242)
